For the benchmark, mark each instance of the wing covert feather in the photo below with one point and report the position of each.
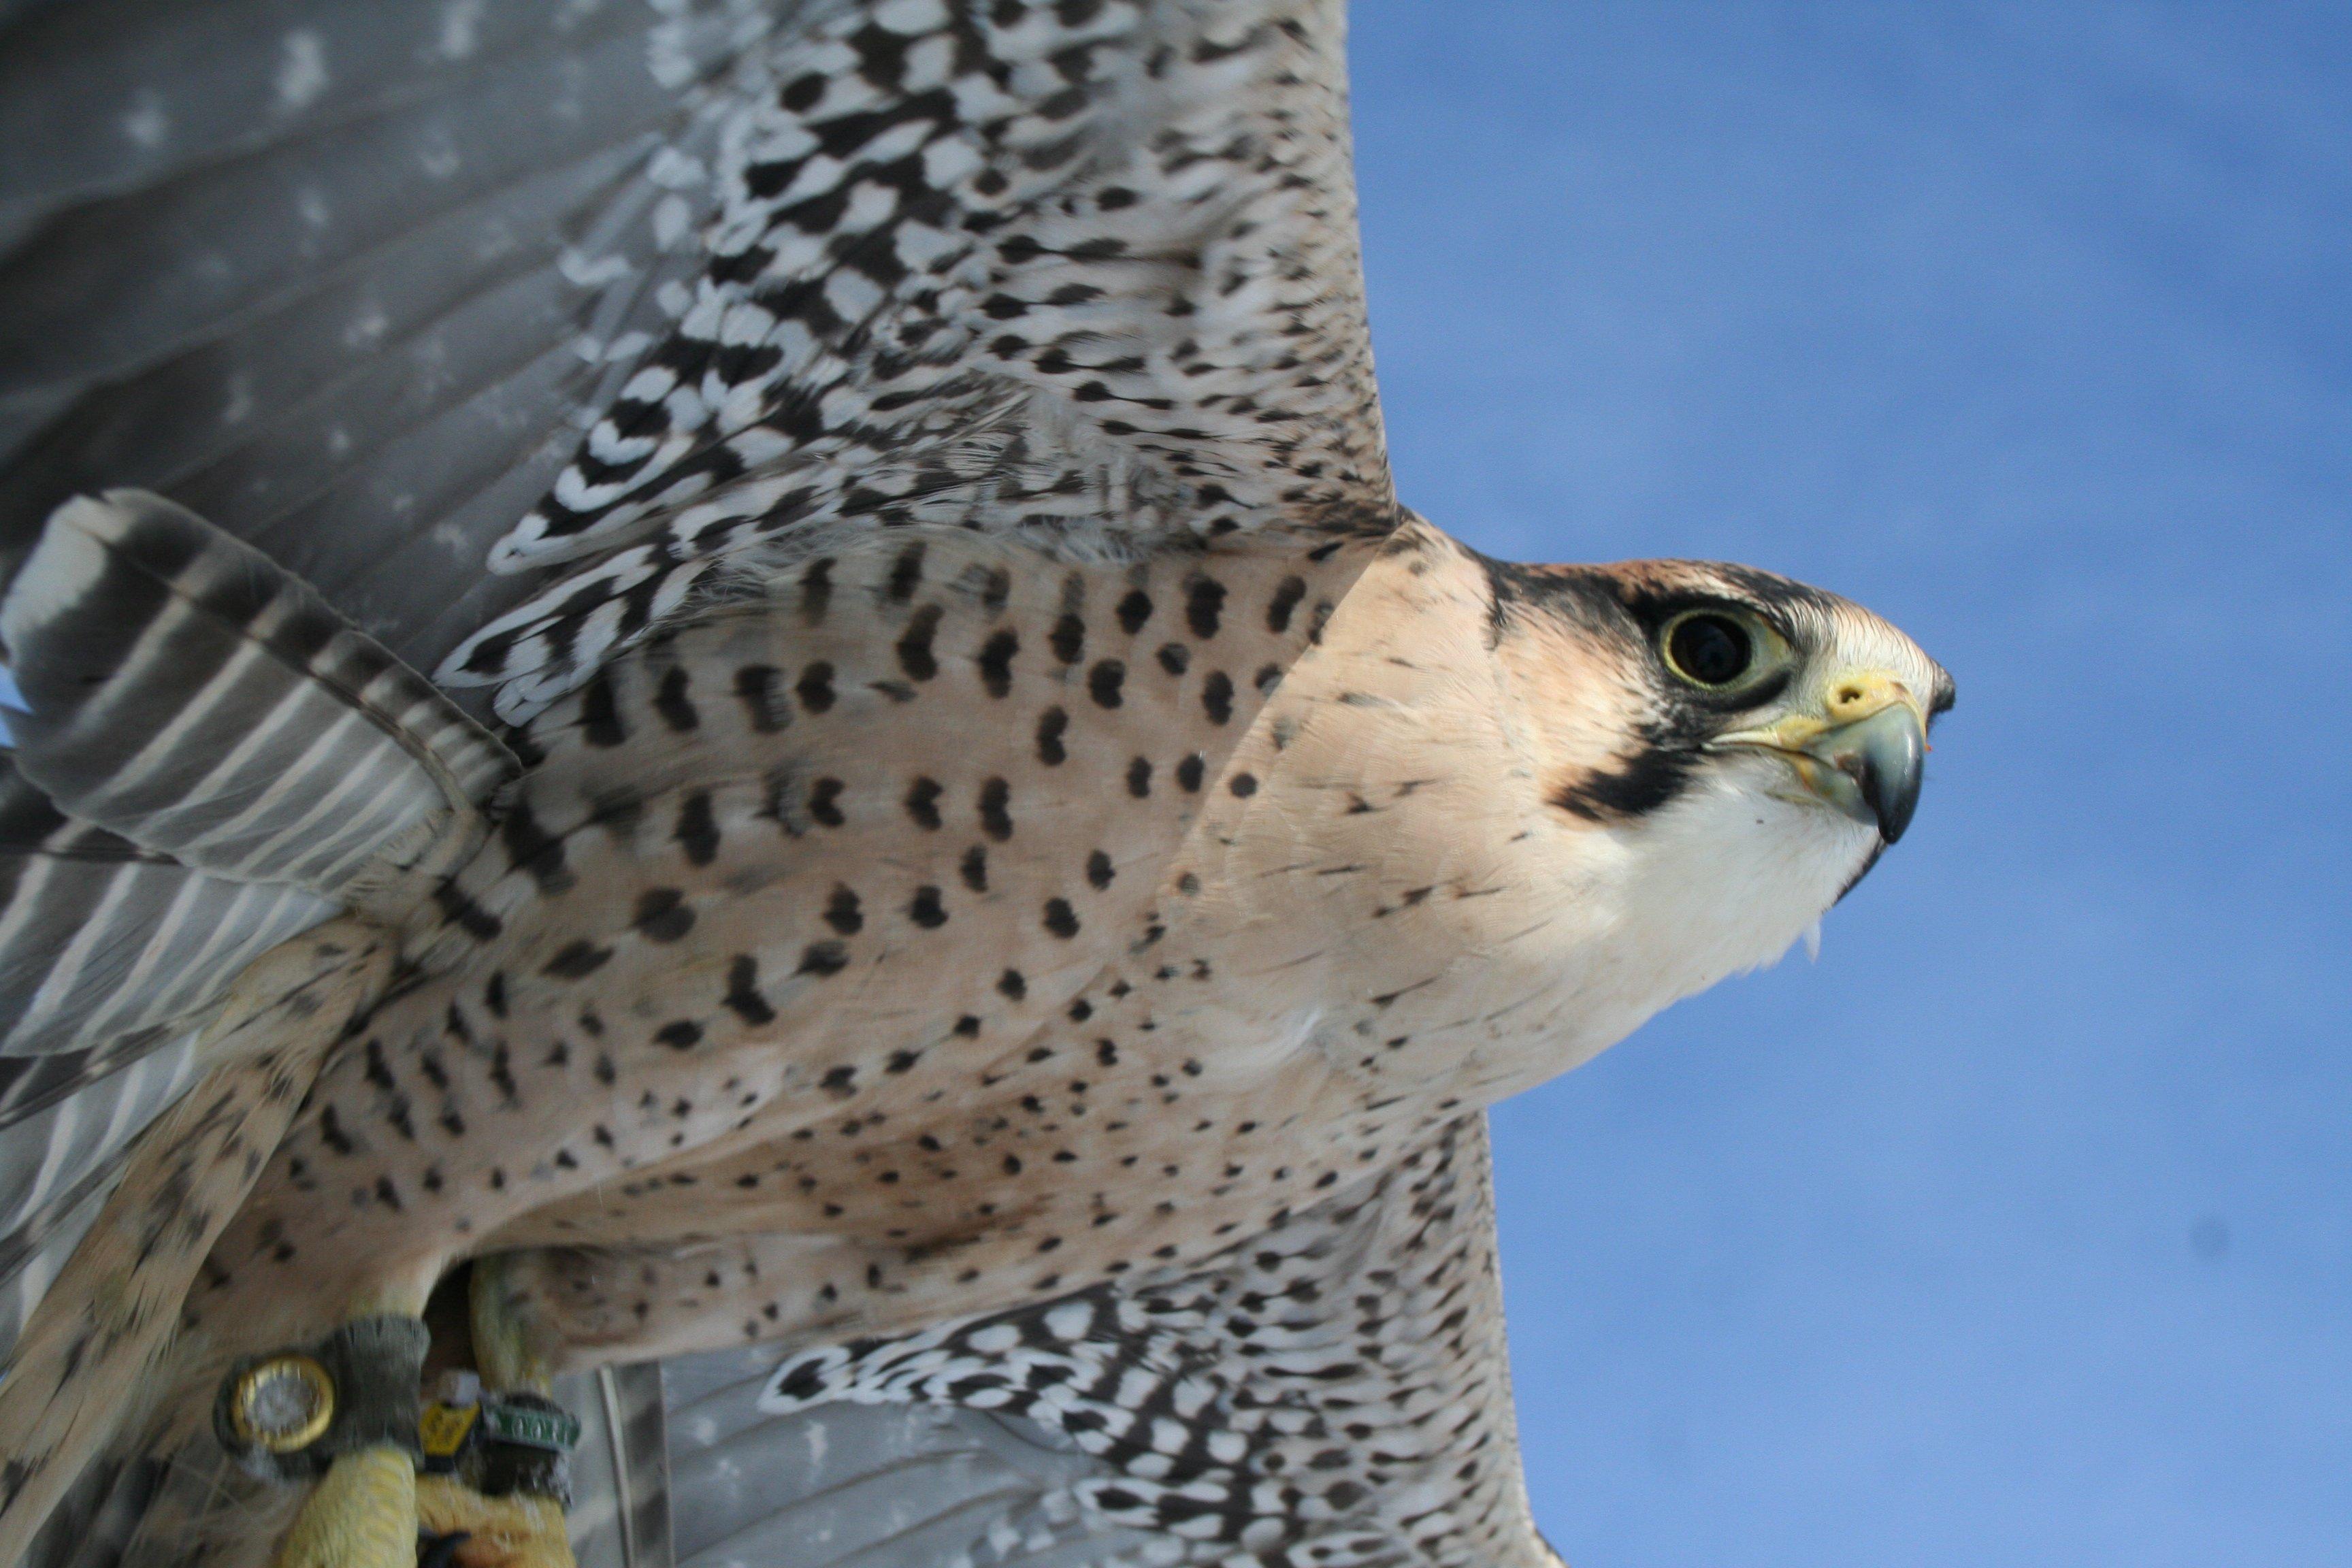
(1085, 273)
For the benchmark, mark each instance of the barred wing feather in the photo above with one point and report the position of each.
(208, 763)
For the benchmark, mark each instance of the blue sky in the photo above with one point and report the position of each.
(2018, 1229)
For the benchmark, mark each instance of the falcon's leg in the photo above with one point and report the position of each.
(517, 1532)
(349, 1401)
(352, 1394)
(363, 1515)
(512, 1484)
(507, 1348)
(506, 1498)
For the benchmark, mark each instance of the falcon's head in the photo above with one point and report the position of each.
(1731, 751)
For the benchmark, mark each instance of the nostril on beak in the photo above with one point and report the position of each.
(1858, 695)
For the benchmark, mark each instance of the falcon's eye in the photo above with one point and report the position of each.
(1707, 648)
(1721, 649)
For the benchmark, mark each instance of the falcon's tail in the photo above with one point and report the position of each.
(207, 759)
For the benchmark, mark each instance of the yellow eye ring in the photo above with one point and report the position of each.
(1718, 648)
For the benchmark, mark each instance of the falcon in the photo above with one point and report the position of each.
(739, 684)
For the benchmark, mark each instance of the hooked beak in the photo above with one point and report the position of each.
(1865, 759)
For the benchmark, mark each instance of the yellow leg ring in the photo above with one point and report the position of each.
(517, 1532)
(362, 1515)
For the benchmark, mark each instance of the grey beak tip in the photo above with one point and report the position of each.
(1892, 755)
(1894, 814)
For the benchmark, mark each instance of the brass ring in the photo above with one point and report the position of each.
(283, 1403)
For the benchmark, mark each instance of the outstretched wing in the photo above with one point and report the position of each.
(1336, 1393)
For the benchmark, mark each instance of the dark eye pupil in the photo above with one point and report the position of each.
(1710, 649)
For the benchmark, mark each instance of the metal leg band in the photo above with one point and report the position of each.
(287, 1415)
